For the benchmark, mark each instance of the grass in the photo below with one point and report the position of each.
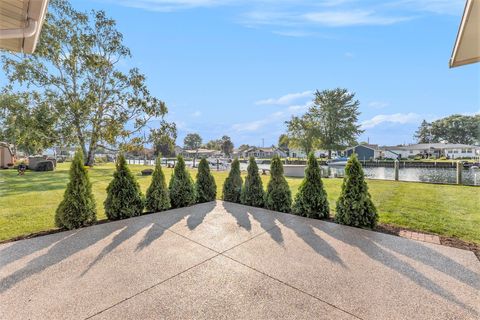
(28, 203)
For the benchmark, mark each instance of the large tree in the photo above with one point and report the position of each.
(76, 65)
(331, 122)
(302, 133)
(457, 129)
(227, 145)
(163, 139)
(424, 133)
(283, 141)
(28, 122)
(192, 141)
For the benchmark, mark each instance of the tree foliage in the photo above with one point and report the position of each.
(28, 122)
(302, 133)
(452, 129)
(205, 186)
(424, 133)
(182, 188)
(331, 123)
(226, 145)
(76, 65)
(283, 141)
(355, 206)
(124, 198)
(192, 141)
(252, 191)
(77, 208)
(311, 200)
(163, 139)
(278, 196)
(232, 188)
(158, 197)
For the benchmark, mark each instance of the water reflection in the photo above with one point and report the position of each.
(433, 175)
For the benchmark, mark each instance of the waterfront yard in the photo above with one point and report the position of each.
(28, 203)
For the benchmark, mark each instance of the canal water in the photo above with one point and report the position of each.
(430, 175)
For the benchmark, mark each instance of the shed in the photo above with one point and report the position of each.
(7, 156)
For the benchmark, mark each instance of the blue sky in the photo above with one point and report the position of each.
(244, 67)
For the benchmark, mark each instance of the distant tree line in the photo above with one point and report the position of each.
(452, 129)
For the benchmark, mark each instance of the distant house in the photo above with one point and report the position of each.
(437, 150)
(178, 150)
(262, 153)
(200, 153)
(64, 152)
(365, 151)
(298, 153)
(423, 150)
(7, 156)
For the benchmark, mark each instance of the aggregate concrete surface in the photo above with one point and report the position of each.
(221, 260)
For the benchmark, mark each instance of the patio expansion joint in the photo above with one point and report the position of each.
(175, 275)
(222, 253)
(151, 287)
(293, 287)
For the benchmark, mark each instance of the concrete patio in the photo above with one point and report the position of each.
(226, 261)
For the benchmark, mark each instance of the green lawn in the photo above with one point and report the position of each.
(28, 203)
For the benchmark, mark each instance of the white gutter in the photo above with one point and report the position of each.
(26, 32)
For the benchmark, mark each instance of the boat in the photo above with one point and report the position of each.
(339, 162)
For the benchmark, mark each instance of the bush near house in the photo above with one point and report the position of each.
(205, 186)
(77, 208)
(182, 188)
(124, 198)
(252, 191)
(232, 188)
(311, 201)
(354, 206)
(158, 197)
(279, 196)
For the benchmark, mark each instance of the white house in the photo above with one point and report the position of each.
(262, 153)
(449, 150)
(298, 153)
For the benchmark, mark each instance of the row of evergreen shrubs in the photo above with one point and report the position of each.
(125, 200)
(354, 206)
(124, 197)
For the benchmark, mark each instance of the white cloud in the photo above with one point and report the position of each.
(171, 5)
(398, 118)
(378, 104)
(351, 18)
(196, 114)
(450, 7)
(256, 125)
(286, 99)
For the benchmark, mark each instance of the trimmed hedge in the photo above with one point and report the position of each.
(279, 196)
(182, 188)
(311, 200)
(354, 206)
(205, 186)
(124, 198)
(158, 197)
(252, 191)
(77, 208)
(232, 188)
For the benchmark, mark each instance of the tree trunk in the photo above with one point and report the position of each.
(329, 154)
(90, 158)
